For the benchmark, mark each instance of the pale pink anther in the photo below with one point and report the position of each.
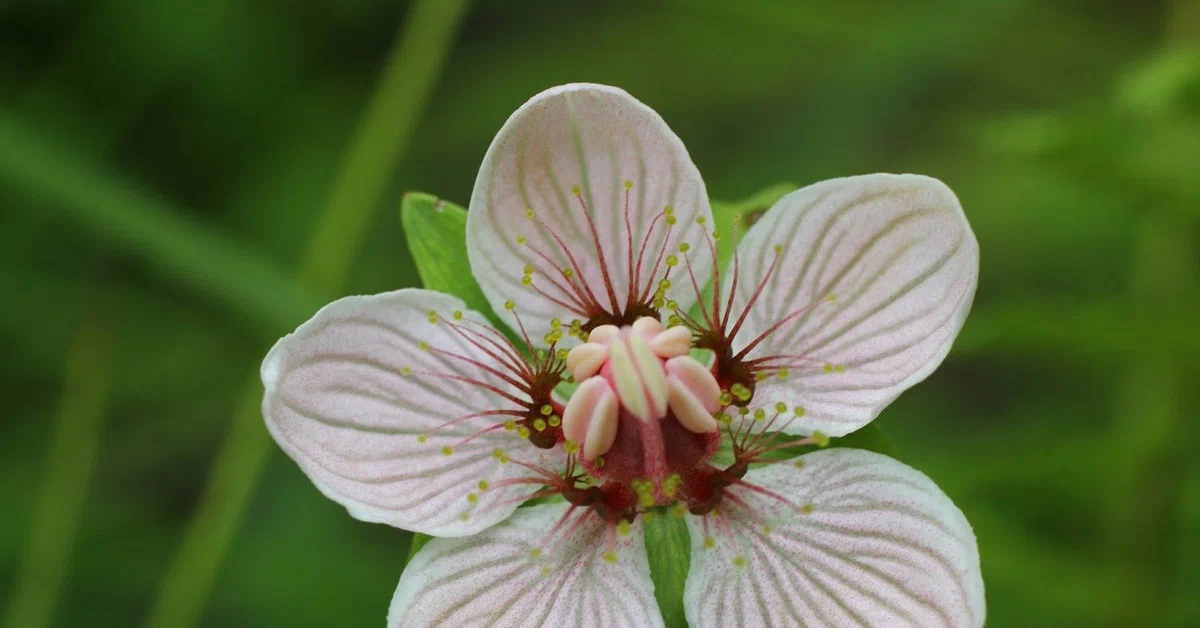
(643, 369)
(694, 394)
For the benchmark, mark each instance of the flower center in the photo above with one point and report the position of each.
(643, 411)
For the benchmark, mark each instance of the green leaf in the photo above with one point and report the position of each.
(750, 208)
(668, 547)
(437, 238)
(415, 544)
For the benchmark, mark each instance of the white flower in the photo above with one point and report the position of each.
(589, 229)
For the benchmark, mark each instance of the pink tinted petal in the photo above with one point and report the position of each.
(522, 574)
(862, 540)
(598, 138)
(349, 396)
(901, 263)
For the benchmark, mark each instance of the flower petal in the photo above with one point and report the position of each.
(874, 278)
(355, 401)
(531, 571)
(628, 166)
(845, 538)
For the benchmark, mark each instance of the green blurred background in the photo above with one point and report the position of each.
(182, 182)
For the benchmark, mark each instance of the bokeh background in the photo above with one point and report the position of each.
(182, 182)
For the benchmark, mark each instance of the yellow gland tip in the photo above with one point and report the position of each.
(405, 371)
(670, 220)
(684, 247)
(464, 516)
(510, 305)
(782, 373)
(509, 426)
(546, 409)
(623, 528)
(447, 450)
(628, 184)
(820, 438)
(832, 298)
(672, 260)
(521, 239)
(483, 485)
(701, 220)
(529, 213)
(781, 407)
(799, 464)
(458, 315)
(523, 432)
(535, 553)
(554, 420)
(472, 498)
(529, 269)
(778, 248)
(799, 411)
(571, 446)
(575, 190)
(422, 438)
(739, 561)
(423, 346)
(828, 367)
(433, 317)
(610, 557)
(539, 425)
(709, 542)
(806, 509)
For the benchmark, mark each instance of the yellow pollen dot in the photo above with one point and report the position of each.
(782, 372)
(529, 269)
(405, 371)
(568, 273)
(554, 421)
(828, 368)
(799, 411)
(648, 517)
(483, 485)
(701, 220)
(610, 557)
(716, 234)
(760, 414)
(778, 248)
(433, 317)
(799, 464)
(521, 240)
(674, 320)
(464, 516)
(820, 438)
(472, 498)
(523, 432)
(781, 407)
(659, 302)
(672, 305)
(684, 247)
(679, 510)
(535, 553)
(806, 509)
(628, 184)
(672, 260)
(509, 426)
(539, 425)
(646, 500)
(458, 315)
(422, 438)
(739, 561)
(709, 542)
(561, 354)
(546, 409)
(575, 190)
(510, 305)
(832, 298)
(726, 398)
(529, 213)
(724, 417)
(841, 368)
(447, 450)
(545, 570)
(623, 528)
(665, 284)
(527, 280)
(743, 411)
(498, 453)
(670, 220)
(423, 346)
(766, 529)
(571, 446)
(760, 376)
(668, 210)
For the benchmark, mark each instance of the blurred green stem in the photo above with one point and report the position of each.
(380, 139)
(70, 459)
(1151, 425)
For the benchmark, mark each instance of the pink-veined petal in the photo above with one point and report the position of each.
(524, 212)
(874, 278)
(543, 568)
(847, 538)
(359, 397)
